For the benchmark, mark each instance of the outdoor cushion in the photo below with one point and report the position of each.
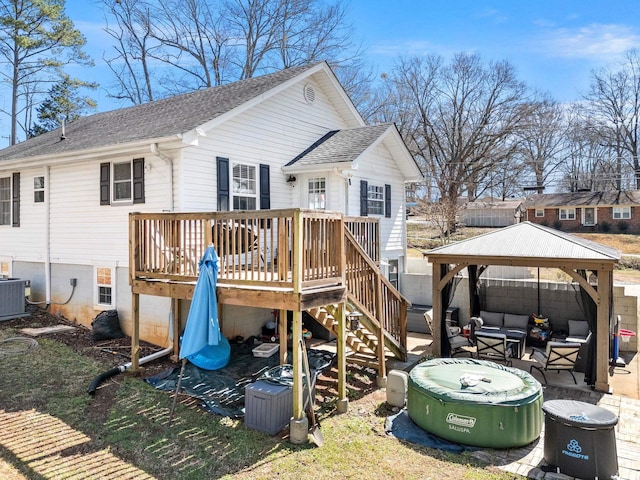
(494, 319)
(578, 328)
(516, 321)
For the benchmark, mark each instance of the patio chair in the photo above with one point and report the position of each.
(457, 342)
(493, 346)
(557, 356)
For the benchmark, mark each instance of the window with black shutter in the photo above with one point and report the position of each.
(138, 180)
(105, 183)
(387, 201)
(265, 187)
(15, 204)
(223, 183)
(364, 195)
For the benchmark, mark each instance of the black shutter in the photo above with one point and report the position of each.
(364, 195)
(387, 201)
(138, 180)
(15, 204)
(223, 184)
(265, 188)
(105, 173)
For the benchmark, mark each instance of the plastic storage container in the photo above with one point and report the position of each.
(397, 388)
(579, 439)
(265, 350)
(267, 406)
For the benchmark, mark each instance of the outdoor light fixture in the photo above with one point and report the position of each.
(291, 181)
(354, 320)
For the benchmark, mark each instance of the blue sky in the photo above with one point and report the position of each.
(554, 44)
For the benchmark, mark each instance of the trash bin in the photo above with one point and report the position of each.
(579, 439)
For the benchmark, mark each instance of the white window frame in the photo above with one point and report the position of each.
(584, 216)
(567, 213)
(125, 181)
(38, 189)
(375, 199)
(5, 202)
(539, 212)
(317, 193)
(621, 213)
(5, 268)
(97, 285)
(244, 185)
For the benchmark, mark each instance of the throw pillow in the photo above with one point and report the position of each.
(493, 319)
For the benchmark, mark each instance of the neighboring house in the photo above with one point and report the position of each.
(288, 139)
(491, 212)
(616, 212)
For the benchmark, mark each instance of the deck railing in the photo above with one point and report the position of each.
(366, 231)
(373, 294)
(292, 248)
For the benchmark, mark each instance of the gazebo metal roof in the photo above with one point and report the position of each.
(532, 245)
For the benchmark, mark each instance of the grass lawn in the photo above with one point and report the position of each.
(127, 422)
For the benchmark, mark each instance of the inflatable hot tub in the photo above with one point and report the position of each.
(475, 402)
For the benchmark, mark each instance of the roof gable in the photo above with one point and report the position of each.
(343, 149)
(528, 240)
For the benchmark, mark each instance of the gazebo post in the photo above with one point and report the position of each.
(436, 304)
(602, 332)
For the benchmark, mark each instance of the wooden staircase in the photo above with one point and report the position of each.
(383, 312)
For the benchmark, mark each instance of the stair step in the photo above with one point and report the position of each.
(362, 359)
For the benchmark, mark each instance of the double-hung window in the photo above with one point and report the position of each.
(539, 212)
(317, 193)
(245, 191)
(122, 182)
(621, 213)
(38, 189)
(375, 200)
(567, 214)
(104, 287)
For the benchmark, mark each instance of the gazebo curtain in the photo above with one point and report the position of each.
(590, 311)
(446, 297)
(474, 272)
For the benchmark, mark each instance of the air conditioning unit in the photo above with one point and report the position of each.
(12, 298)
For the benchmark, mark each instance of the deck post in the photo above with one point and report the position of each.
(299, 425)
(135, 334)
(343, 401)
(176, 305)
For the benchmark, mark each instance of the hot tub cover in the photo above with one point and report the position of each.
(477, 381)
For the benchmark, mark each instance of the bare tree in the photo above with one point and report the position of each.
(541, 139)
(614, 102)
(36, 39)
(134, 47)
(458, 120)
(200, 43)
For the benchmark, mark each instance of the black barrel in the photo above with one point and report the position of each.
(580, 440)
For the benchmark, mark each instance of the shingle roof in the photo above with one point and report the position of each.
(584, 199)
(529, 240)
(493, 204)
(340, 146)
(170, 116)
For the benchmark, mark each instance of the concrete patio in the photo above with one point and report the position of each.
(624, 402)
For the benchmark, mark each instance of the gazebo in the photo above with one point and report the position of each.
(531, 245)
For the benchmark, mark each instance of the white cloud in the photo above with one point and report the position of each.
(595, 41)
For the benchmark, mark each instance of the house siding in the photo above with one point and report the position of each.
(271, 133)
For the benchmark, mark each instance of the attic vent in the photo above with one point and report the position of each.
(309, 93)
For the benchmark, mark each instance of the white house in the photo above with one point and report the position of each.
(288, 139)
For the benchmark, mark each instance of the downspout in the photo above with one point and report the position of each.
(95, 383)
(47, 237)
(156, 151)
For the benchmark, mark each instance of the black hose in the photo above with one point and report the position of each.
(102, 377)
